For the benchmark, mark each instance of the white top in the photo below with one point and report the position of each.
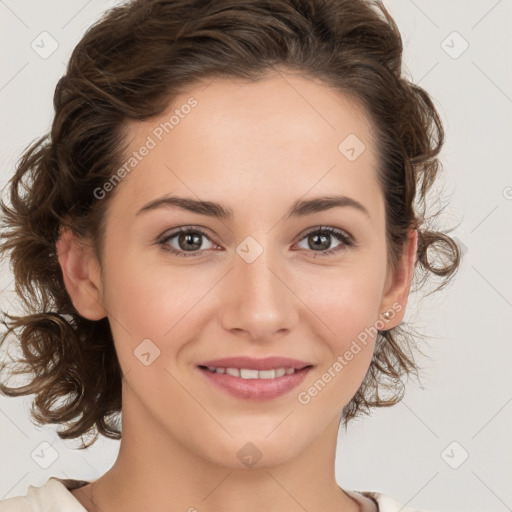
(55, 496)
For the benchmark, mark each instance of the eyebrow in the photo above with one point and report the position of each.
(299, 208)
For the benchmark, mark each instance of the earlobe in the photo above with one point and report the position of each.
(399, 284)
(81, 275)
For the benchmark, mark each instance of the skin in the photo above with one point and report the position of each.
(255, 148)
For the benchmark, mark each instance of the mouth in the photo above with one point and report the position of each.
(247, 373)
(255, 379)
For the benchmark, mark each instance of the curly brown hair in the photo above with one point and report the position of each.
(129, 66)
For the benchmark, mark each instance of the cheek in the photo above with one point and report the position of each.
(147, 295)
(346, 307)
(157, 302)
(346, 300)
(350, 311)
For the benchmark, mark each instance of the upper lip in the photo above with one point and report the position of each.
(268, 363)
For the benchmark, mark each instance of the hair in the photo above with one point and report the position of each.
(129, 66)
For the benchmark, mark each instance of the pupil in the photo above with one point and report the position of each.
(189, 238)
(325, 240)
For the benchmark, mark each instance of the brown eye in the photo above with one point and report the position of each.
(320, 240)
(189, 242)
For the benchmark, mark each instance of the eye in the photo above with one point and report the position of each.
(319, 240)
(188, 240)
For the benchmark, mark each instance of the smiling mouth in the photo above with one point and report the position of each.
(249, 373)
(268, 381)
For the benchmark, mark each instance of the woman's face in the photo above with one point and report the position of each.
(257, 284)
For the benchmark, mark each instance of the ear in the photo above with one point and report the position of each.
(81, 274)
(398, 283)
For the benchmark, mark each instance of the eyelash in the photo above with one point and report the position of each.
(339, 234)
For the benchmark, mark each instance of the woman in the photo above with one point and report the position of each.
(219, 239)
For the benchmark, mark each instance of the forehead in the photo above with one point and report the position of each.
(283, 136)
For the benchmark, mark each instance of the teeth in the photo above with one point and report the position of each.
(246, 373)
(217, 370)
(249, 374)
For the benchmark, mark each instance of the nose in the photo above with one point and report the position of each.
(259, 301)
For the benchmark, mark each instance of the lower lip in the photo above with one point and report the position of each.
(256, 389)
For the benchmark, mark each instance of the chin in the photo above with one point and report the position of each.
(244, 453)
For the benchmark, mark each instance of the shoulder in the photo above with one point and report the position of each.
(17, 504)
(53, 496)
(382, 502)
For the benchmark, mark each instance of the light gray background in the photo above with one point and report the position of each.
(466, 391)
